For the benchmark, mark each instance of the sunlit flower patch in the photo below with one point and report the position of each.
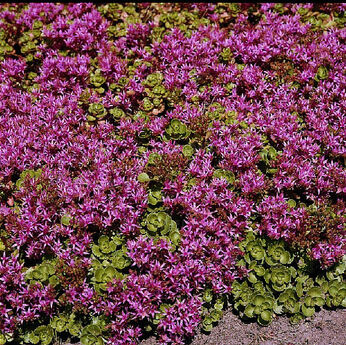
(162, 162)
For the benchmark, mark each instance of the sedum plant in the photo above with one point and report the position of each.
(60, 323)
(260, 306)
(284, 282)
(177, 130)
(120, 260)
(43, 273)
(129, 119)
(225, 174)
(322, 73)
(96, 111)
(97, 81)
(33, 174)
(154, 79)
(211, 309)
(160, 222)
(159, 225)
(278, 254)
(41, 335)
(279, 277)
(117, 113)
(92, 335)
(106, 246)
(288, 302)
(109, 260)
(154, 197)
(313, 297)
(336, 294)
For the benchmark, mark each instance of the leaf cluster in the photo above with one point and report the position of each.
(281, 282)
(160, 225)
(109, 261)
(212, 309)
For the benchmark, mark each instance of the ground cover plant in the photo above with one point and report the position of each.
(159, 162)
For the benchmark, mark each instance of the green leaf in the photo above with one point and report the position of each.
(334, 287)
(175, 237)
(278, 309)
(296, 318)
(74, 327)
(89, 339)
(53, 280)
(322, 73)
(266, 316)
(280, 277)
(97, 109)
(315, 292)
(153, 79)
(65, 220)
(272, 153)
(177, 130)
(259, 287)
(216, 315)
(208, 295)
(106, 245)
(92, 329)
(249, 311)
(260, 271)
(219, 304)
(301, 286)
(91, 118)
(319, 301)
(96, 251)
(291, 203)
(43, 333)
(307, 311)
(252, 278)
(154, 158)
(258, 300)
(97, 79)
(120, 261)
(59, 323)
(225, 174)
(277, 254)
(33, 338)
(117, 113)
(154, 197)
(188, 151)
(143, 177)
(109, 274)
(256, 250)
(207, 323)
(99, 274)
(207, 327)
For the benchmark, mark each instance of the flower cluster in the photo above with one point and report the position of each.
(140, 143)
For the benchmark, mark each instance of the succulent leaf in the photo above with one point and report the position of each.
(216, 315)
(308, 311)
(225, 174)
(177, 130)
(249, 311)
(43, 334)
(256, 250)
(143, 177)
(265, 318)
(208, 295)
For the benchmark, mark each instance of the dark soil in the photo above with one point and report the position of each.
(326, 327)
